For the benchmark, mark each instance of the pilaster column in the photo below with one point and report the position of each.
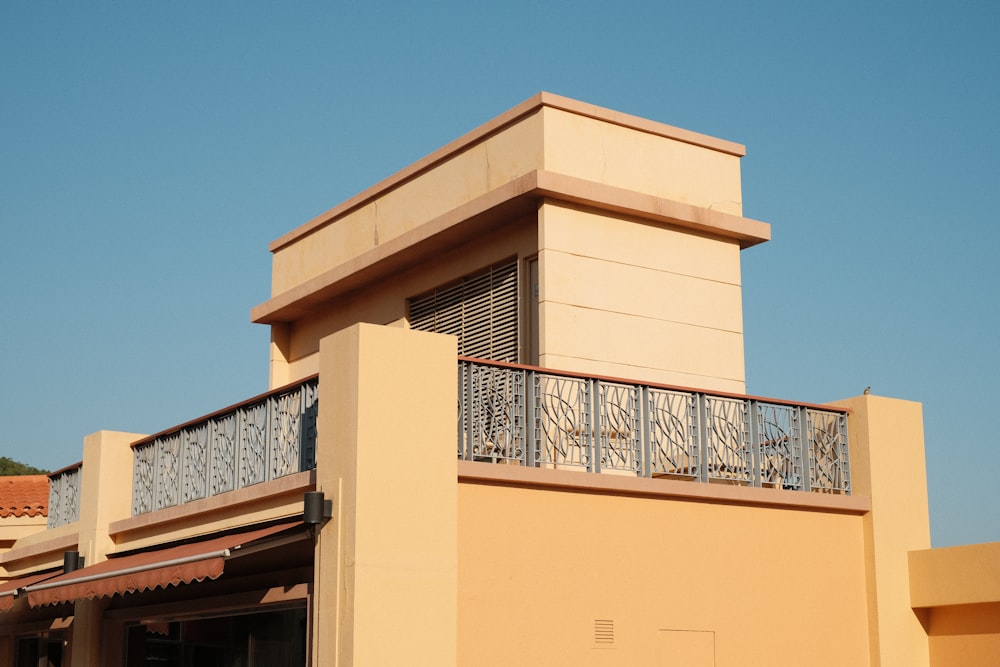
(385, 587)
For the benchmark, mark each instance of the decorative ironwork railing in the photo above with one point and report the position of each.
(258, 440)
(64, 496)
(532, 417)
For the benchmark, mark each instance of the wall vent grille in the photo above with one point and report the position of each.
(604, 632)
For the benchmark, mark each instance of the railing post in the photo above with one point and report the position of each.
(470, 402)
(270, 415)
(239, 448)
(210, 458)
(155, 495)
(755, 443)
(530, 430)
(593, 430)
(53, 514)
(845, 460)
(804, 446)
(702, 417)
(645, 444)
(183, 451)
(301, 430)
(462, 409)
(135, 484)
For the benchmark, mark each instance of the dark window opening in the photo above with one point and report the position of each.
(45, 650)
(272, 639)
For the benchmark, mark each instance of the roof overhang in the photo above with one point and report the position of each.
(490, 211)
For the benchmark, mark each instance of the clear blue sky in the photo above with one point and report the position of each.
(149, 152)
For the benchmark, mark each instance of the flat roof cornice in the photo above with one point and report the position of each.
(511, 116)
(490, 210)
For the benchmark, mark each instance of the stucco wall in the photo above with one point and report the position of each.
(620, 296)
(547, 132)
(385, 576)
(469, 173)
(888, 466)
(386, 302)
(956, 591)
(542, 571)
(609, 153)
(966, 635)
(637, 300)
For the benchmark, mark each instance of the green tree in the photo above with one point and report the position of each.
(9, 466)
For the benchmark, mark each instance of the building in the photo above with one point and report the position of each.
(508, 424)
(24, 503)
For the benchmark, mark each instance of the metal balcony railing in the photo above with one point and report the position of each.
(528, 416)
(517, 415)
(258, 440)
(64, 496)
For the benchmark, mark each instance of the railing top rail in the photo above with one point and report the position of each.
(656, 385)
(63, 471)
(231, 408)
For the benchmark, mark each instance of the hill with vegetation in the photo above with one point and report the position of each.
(10, 467)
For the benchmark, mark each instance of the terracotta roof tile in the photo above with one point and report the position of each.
(24, 495)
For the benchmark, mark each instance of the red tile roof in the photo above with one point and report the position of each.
(24, 495)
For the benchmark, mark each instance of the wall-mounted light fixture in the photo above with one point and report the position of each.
(316, 508)
(72, 561)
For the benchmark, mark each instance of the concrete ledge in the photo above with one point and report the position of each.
(56, 544)
(484, 131)
(490, 211)
(967, 574)
(471, 472)
(245, 505)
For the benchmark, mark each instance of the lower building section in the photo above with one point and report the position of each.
(617, 575)
(47, 649)
(192, 603)
(509, 554)
(251, 638)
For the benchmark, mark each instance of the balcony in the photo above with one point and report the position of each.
(261, 439)
(64, 496)
(519, 415)
(524, 416)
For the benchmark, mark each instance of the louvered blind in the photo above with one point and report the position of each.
(480, 310)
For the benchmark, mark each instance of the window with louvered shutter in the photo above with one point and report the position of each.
(481, 310)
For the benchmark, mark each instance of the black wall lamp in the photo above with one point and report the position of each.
(316, 509)
(72, 561)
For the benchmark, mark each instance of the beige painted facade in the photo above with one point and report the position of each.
(755, 583)
(888, 466)
(627, 236)
(389, 560)
(636, 226)
(676, 294)
(956, 594)
(18, 528)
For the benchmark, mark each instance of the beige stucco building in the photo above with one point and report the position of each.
(514, 371)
